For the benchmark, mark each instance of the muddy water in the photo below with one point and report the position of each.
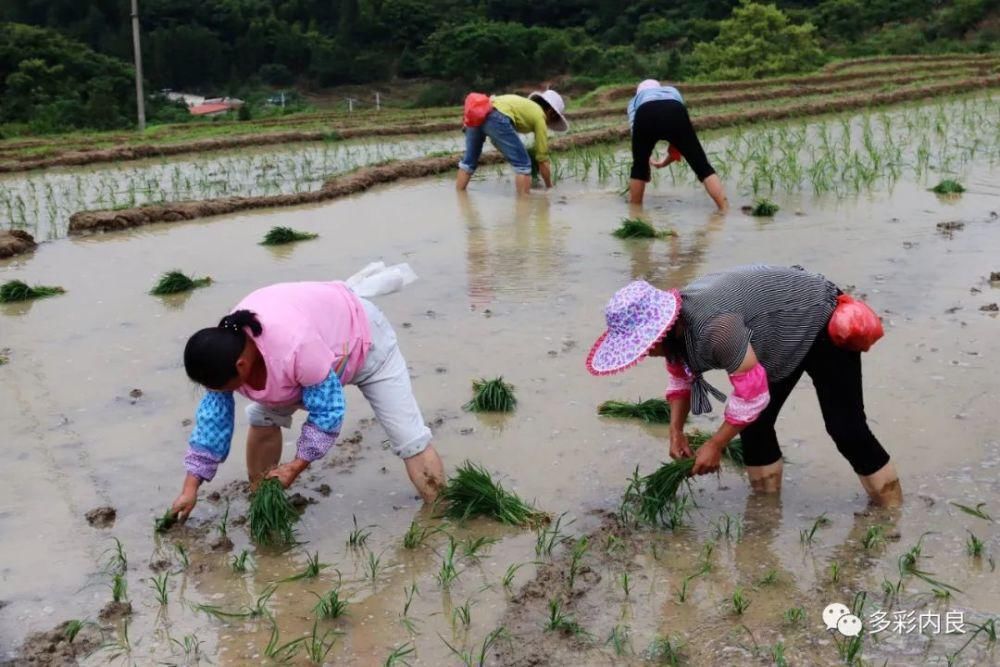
(513, 288)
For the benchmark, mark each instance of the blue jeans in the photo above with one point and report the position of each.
(500, 129)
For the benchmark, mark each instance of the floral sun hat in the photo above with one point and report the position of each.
(638, 317)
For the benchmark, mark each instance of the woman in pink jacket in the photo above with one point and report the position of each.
(294, 346)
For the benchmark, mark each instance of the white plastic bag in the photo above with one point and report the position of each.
(377, 279)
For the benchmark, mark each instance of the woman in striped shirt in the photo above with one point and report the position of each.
(765, 326)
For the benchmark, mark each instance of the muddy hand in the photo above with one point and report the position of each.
(183, 505)
(287, 473)
(679, 446)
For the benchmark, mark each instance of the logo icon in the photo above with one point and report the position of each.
(838, 617)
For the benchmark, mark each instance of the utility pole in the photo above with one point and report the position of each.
(350, 104)
(378, 101)
(140, 98)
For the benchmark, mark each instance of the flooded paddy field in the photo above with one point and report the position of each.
(95, 407)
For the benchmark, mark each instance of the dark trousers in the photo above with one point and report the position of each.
(666, 120)
(836, 374)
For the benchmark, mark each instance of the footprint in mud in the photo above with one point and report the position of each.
(54, 646)
(950, 227)
(114, 611)
(990, 308)
(102, 517)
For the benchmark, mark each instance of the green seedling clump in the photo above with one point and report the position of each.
(272, 516)
(491, 396)
(650, 497)
(175, 282)
(283, 235)
(764, 208)
(13, 291)
(472, 491)
(636, 228)
(651, 411)
(164, 523)
(948, 187)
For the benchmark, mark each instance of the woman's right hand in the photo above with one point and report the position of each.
(186, 501)
(679, 446)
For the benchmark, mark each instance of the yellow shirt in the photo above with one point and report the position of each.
(527, 117)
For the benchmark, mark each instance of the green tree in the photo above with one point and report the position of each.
(758, 41)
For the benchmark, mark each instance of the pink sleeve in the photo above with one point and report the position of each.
(749, 398)
(678, 381)
(313, 360)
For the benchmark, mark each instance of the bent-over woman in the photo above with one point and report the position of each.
(765, 326)
(294, 346)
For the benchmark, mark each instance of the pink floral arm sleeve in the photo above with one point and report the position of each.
(679, 379)
(749, 398)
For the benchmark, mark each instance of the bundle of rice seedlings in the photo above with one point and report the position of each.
(15, 290)
(651, 411)
(636, 228)
(164, 523)
(174, 282)
(491, 396)
(764, 208)
(283, 235)
(272, 516)
(472, 491)
(650, 497)
(948, 187)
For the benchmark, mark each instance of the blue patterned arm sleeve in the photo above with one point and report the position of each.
(212, 434)
(326, 407)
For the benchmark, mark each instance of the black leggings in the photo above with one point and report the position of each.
(666, 120)
(836, 374)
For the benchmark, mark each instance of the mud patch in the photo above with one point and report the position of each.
(15, 242)
(115, 611)
(102, 517)
(55, 648)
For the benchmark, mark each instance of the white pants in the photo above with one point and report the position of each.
(384, 381)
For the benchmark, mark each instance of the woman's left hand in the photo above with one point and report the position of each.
(707, 459)
(287, 473)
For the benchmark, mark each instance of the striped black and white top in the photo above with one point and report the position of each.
(780, 310)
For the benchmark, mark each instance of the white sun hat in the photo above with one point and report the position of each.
(646, 85)
(554, 100)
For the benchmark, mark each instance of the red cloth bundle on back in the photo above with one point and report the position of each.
(854, 325)
(477, 108)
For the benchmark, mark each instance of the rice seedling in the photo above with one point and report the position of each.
(807, 536)
(399, 655)
(764, 208)
(14, 291)
(907, 564)
(976, 511)
(164, 523)
(283, 235)
(318, 646)
(651, 411)
(650, 497)
(890, 589)
(415, 535)
(740, 601)
(974, 546)
(448, 572)
(625, 581)
(272, 516)
(222, 526)
(313, 568)
(121, 645)
(873, 537)
(72, 629)
(359, 535)
(636, 228)
(794, 615)
(373, 566)
(508, 578)
(834, 570)
(850, 649)
(778, 655)
(242, 562)
(948, 187)
(474, 548)
(472, 491)
(118, 560)
(548, 536)
(404, 618)
(665, 651)
(282, 653)
(182, 554)
(479, 660)
(190, 646)
(769, 579)
(160, 588)
(119, 588)
(175, 282)
(987, 629)
(580, 548)
(330, 605)
(728, 527)
(259, 610)
(620, 640)
(491, 396)
(462, 615)
(614, 545)
(561, 622)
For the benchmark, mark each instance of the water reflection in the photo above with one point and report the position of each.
(676, 260)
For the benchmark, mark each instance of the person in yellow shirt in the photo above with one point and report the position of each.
(536, 114)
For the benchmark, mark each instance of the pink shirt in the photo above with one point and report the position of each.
(309, 329)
